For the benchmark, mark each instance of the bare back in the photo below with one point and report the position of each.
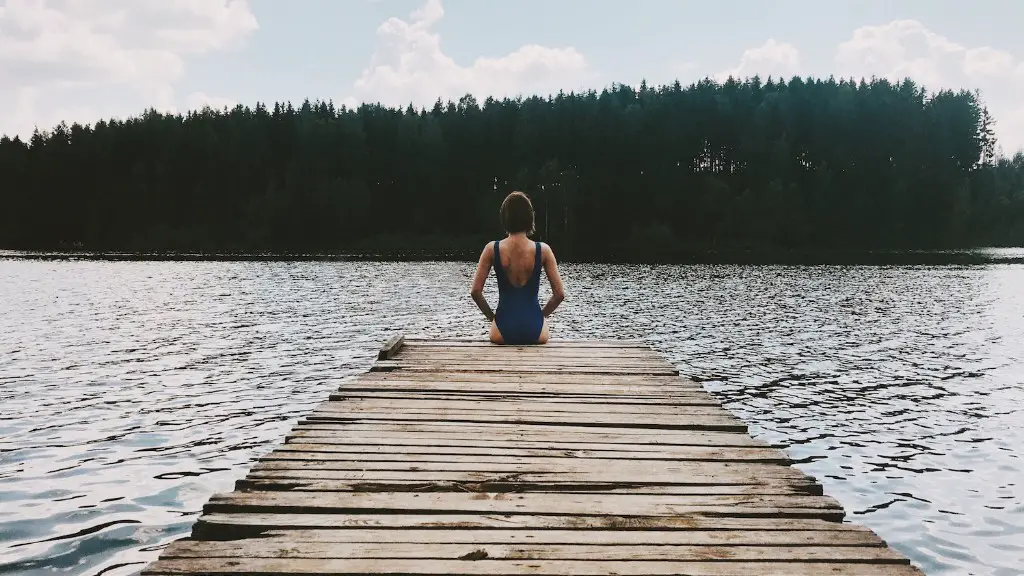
(518, 259)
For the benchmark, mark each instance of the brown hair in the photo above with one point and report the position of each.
(517, 214)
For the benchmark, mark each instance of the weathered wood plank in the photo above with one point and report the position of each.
(720, 423)
(609, 470)
(427, 472)
(553, 343)
(697, 453)
(526, 389)
(515, 362)
(439, 367)
(235, 521)
(286, 548)
(555, 457)
(531, 377)
(391, 347)
(633, 393)
(543, 458)
(353, 567)
(508, 407)
(551, 399)
(544, 352)
(852, 537)
(386, 429)
(426, 485)
(526, 428)
(529, 503)
(640, 364)
(343, 436)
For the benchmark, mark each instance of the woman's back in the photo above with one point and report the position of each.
(518, 259)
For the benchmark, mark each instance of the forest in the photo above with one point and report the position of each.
(799, 164)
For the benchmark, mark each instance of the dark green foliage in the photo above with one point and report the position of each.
(803, 164)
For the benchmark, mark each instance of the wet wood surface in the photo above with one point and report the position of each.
(577, 457)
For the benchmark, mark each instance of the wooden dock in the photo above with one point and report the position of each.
(578, 457)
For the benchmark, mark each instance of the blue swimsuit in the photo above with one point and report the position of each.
(519, 317)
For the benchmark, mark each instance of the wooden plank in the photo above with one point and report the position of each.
(286, 548)
(452, 366)
(512, 389)
(608, 356)
(428, 405)
(624, 379)
(556, 383)
(341, 435)
(540, 432)
(784, 537)
(562, 486)
(553, 343)
(344, 567)
(720, 423)
(322, 453)
(516, 359)
(542, 458)
(615, 470)
(431, 472)
(234, 522)
(552, 400)
(696, 453)
(525, 388)
(528, 503)
(535, 352)
(440, 367)
(391, 347)
(531, 350)
(443, 365)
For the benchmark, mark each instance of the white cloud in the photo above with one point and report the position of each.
(75, 60)
(409, 66)
(773, 58)
(905, 48)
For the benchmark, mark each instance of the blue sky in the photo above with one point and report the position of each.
(79, 60)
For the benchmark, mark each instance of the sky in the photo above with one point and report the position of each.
(83, 60)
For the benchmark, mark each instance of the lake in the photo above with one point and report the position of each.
(130, 391)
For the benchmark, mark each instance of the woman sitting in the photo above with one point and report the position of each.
(517, 262)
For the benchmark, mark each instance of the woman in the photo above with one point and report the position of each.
(517, 262)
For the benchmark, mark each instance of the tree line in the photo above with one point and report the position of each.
(742, 164)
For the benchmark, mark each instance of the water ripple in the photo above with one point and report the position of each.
(131, 391)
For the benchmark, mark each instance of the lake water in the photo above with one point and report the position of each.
(131, 391)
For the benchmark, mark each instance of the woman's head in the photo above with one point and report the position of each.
(517, 214)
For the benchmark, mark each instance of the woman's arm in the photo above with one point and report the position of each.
(483, 268)
(551, 269)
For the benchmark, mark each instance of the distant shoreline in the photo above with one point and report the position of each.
(1000, 255)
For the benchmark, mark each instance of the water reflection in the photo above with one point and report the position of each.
(130, 391)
